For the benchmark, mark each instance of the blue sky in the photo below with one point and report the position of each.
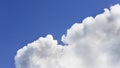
(24, 21)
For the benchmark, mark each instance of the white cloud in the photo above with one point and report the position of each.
(94, 43)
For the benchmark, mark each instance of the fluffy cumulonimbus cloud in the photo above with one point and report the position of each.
(94, 43)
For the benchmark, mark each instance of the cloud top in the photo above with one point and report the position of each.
(94, 43)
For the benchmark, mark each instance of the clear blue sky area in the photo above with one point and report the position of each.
(23, 21)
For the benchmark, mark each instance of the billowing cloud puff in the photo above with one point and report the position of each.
(94, 43)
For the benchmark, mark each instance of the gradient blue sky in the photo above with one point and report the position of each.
(23, 21)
